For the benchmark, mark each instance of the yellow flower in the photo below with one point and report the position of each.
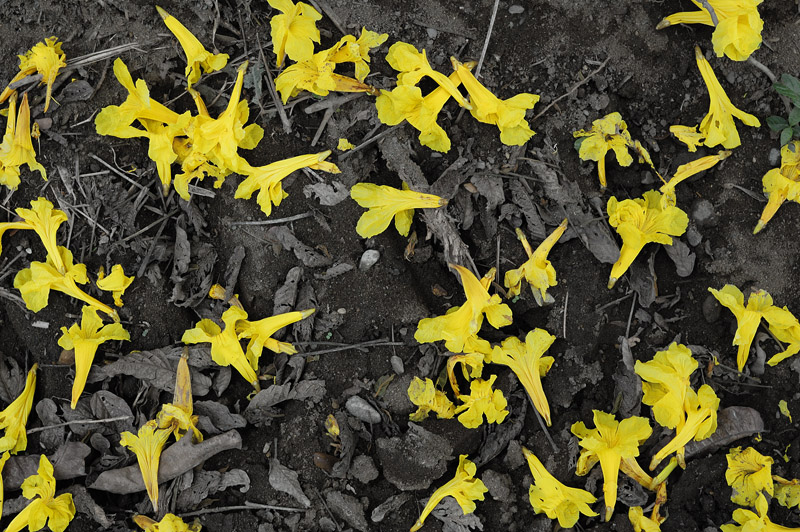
(757, 521)
(685, 171)
(781, 184)
(45, 221)
(556, 500)
(759, 305)
(116, 282)
(666, 381)
(738, 25)
(169, 523)
(471, 367)
(699, 424)
(688, 135)
(385, 202)
(295, 31)
(197, 56)
(85, 339)
(356, 51)
(610, 442)
(413, 65)
(45, 58)
(641, 523)
(508, 115)
(482, 400)
(464, 488)
(225, 347)
(45, 508)
(17, 147)
(260, 333)
(428, 399)
(345, 145)
(177, 415)
(787, 492)
(460, 323)
(147, 447)
(15, 416)
(537, 270)
(6, 455)
(528, 363)
(640, 221)
(749, 474)
(789, 335)
(267, 179)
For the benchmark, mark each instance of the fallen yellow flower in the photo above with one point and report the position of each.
(45, 58)
(147, 447)
(45, 508)
(688, 135)
(700, 423)
(556, 500)
(781, 184)
(787, 492)
(260, 334)
(116, 282)
(267, 179)
(482, 400)
(427, 398)
(666, 380)
(640, 221)
(294, 32)
(169, 523)
(757, 521)
(45, 221)
(508, 115)
(529, 365)
(464, 488)
(345, 145)
(356, 51)
(177, 415)
(749, 474)
(3, 459)
(471, 368)
(197, 57)
(537, 270)
(790, 336)
(17, 147)
(413, 65)
(385, 202)
(642, 523)
(15, 416)
(459, 324)
(84, 339)
(685, 171)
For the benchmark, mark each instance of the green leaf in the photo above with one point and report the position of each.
(794, 116)
(579, 141)
(786, 135)
(777, 123)
(789, 86)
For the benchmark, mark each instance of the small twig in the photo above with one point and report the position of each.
(566, 303)
(247, 506)
(322, 124)
(612, 303)
(148, 227)
(325, 504)
(121, 174)
(630, 316)
(78, 422)
(543, 425)
(371, 343)
(332, 102)
(273, 92)
(573, 89)
(711, 12)
(146, 259)
(488, 36)
(367, 142)
(275, 221)
(322, 6)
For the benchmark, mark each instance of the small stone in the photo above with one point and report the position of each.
(395, 399)
(774, 156)
(347, 508)
(516, 9)
(368, 259)
(362, 410)
(363, 469)
(432, 33)
(693, 236)
(499, 485)
(514, 458)
(711, 309)
(414, 460)
(397, 365)
(703, 213)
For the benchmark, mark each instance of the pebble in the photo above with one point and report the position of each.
(693, 236)
(711, 309)
(363, 469)
(362, 410)
(516, 9)
(774, 156)
(397, 365)
(499, 485)
(368, 259)
(703, 213)
(432, 33)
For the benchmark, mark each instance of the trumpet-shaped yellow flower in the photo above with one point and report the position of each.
(385, 202)
(460, 323)
(15, 416)
(147, 447)
(45, 508)
(169, 523)
(267, 179)
(464, 488)
(294, 32)
(45, 58)
(528, 363)
(749, 474)
(45, 221)
(699, 424)
(537, 270)
(610, 442)
(356, 51)
(738, 25)
(177, 415)
(17, 147)
(759, 305)
(225, 347)
(642, 523)
(427, 398)
(85, 339)
(508, 115)
(482, 401)
(3, 459)
(554, 499)
(685, 171)
(640, 221)
(260, 334)
(413, 65)
(197, 57)
(116, 282)
(666, 381)
(757, 521)
(781, 184)
(471, 367)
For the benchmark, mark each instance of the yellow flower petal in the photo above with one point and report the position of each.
(386, 203)
(294, 32)
(17, 146)
(549, 496)
(45, 58)
(45, 508)
(147, 446)
(15, 417)
(482, 401)
(427, 398)
(537, 270)
(260, 333)
(116, 282)
(749, 473)
(197, 57)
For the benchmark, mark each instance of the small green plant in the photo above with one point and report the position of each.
(788, 86)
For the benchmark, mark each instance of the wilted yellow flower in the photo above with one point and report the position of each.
(789, 335)
(508, 115)
(295, 31)
(688, 135)
(15, 416)
(3, 459)
(267, 179)
(225, 347)
(471, 367)
(528, 364)
(666, 381)
(787, 492)
(197, 56)
(45, 221)
(759, 305)
(147, 447)
(738, 25)
(116, 282)
(640, 221)
(700, 423)
(169, 523)
(427, 398)
(345, 145)
(642, 523)
(45, 58)
(460, 323)
(781, 184)
(85, 339)
(413, 65)
(554, 499)
(177, 415)
(356, 51)
(45, 508)
(537, 270)
(749, 474)
(482, 400)
(332, 427)
(610, 442)
(385, 202)
(464, 488)
(260, 333)
(685, 171)
(757, 521)
(17, 147)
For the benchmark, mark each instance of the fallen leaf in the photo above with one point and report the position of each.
(85, 504)
(491, 188)
(53, 438)
(307, 255)
(327, 194)
(348, 441)
(453, 518)
(206, 483)
(347, 508)
(522, 199)
(389, 506)
(682, 256)
(260, 411)
(106, 405)
(215, 417)
(68, 462)
(284, 479)
(644, 281)
(12, 380)
(498, 436)
(627, 383)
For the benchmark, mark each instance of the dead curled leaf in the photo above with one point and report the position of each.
(283, 237)
(68, 462)
(284, 479)
(733, 423)
(205, 483)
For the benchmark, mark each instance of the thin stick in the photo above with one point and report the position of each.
(543, 425)
(121, 174)
(150, 226)
(488, 36)
(566, 303)
(618, 300)
(371, 343)
(366, 143)
(630, 316)
(574, 88)
(275, 221)
(247, 506)
(273, 92)
(323, 6)
(78, 422)
(149, 253)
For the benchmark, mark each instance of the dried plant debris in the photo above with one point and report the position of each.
(347, 508)
(204, 483)
(733, 423)
(453, 518)
(282, 237)
(47, 412)
(215, 418)
(69, 462)
(284, 479)
(644, 281)
(327, 194)
(682, 256)
(497, 436)
(260, 411)
(627, 384)
(192, 270)
(12, 379)
(389, 506)
(521, 197)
